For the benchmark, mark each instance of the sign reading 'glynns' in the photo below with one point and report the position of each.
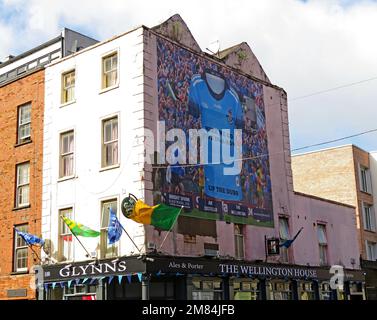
(90, 270)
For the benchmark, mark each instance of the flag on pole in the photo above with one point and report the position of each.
(288, 243)
(80, 230)
(114, 231)
(160, 216)
(30, 239)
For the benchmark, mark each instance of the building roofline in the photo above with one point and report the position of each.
(98, 44)
(31, 51)
(81, 34)
(331, 148)
(217, 60)
(322, 150)
(323, 199)
(24, 75)
(203, 54)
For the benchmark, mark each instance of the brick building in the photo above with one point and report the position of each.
(344, 174)
(22, 84)
(21, 131)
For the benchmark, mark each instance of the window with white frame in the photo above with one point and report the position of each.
(66, 154)
(20, 250)
(239, 241)
(322, 243)
(24, 123)
(65, 245)
(109, 70)
(22, 184)
(365, 181)
(106, 250)
(371, 248)
(369, 217)
(284, 235)
(68, 86)
(110, 142)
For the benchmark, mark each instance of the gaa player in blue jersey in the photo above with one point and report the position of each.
(219, 107)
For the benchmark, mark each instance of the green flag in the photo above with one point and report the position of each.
(80, 230)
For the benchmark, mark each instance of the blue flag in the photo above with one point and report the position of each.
(30, 238)
(114, 231)
(287, 243)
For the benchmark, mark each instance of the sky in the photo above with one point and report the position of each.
(304, 47)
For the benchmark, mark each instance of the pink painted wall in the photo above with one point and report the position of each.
(340, 221)
(341, 232)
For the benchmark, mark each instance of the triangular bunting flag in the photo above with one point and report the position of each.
(53, 285)
(77, 281)
(46, 286)
(120, 279)
(85, 280)
(110, 279)
(69, 283)
(158, 273)
(129, 278)
(139, 275)
(92, 281)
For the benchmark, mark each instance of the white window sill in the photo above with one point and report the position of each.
(109, 88)
(115, 166)
(67, 178)
(62, 105)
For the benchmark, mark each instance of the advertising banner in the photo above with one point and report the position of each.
(221, 169)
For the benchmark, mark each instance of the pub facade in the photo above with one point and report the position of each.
(243, 233)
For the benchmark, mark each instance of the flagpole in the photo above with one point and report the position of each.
(166, 236)
(88, 254)
(130, 238)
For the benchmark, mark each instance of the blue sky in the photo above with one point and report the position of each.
(304, 47)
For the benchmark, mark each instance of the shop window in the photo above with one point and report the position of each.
(207, 290)
(246, 290)
(325, 291)
(306, 290)
(279, 290)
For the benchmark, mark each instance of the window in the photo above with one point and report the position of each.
(65, 247)
(306, 290)
(279, 290)
(239, 241)
(109, 71)
(22, 184)
(365, 182)
(371, 250)
(66, 154)
(207, 289)
(284, 235)
(322, 242)
(369, 217)
(325, 291)
(107, 251)
(68, 86)
(20, 250)
(246, 290)
(24, 123)
(110, 142)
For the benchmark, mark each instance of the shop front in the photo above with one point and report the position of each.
(194, 278)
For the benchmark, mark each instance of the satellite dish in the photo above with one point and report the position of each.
(214, 47)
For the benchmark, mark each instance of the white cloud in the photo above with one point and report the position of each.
(304, 47)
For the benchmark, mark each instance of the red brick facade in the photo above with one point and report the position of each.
(29, 89)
